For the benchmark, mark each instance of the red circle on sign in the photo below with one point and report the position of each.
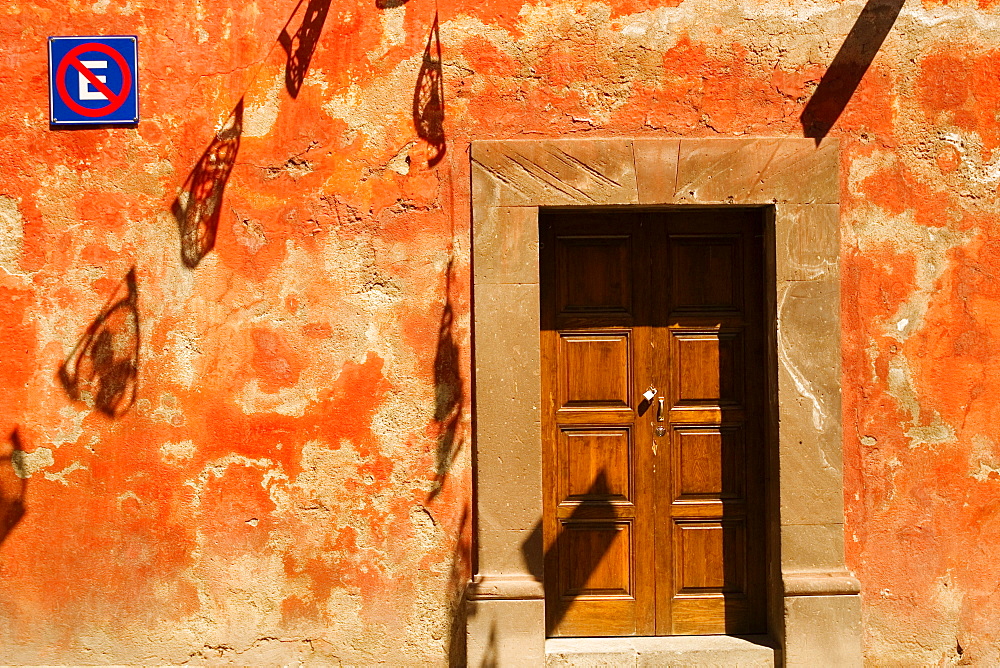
(114, 101)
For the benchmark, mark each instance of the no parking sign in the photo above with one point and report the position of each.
(93, 80)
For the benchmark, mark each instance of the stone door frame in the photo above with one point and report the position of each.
(813, 602)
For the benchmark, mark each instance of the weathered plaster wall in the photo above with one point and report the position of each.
(257, 448)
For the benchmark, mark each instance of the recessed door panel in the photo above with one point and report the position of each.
(708, 462)
(594, 273)
(706, 272)
(710, 557)
(708, 367)
(596, 464)
(600, 563)
(594, 370)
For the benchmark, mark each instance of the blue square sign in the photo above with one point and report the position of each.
(94, 80)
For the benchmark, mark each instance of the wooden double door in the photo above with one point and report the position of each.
(654, 397)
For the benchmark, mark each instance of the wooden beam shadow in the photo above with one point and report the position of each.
(848, 67)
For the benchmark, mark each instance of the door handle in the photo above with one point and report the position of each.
(659, 431)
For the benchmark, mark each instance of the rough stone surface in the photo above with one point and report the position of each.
(506, 248)
(506, 633)
(809, 247)
(276, 467)
(656, 169)
(709, 651)
(812, 546)
(827, 618)
(759, 171)
(584, 172)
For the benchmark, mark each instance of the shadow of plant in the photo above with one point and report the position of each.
(104, 365)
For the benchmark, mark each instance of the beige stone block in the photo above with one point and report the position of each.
(508, 471)
(485, 190)
(505, 245)
(819, 583)
(508, 431)
(809, 408)
(811, 476)
(818, 547)
(811, 487)
(809, 352)
(508, 552)
(659, 651)
(807, 242)
(502, 633)
(583, 172)
(507, 331)
(757, 171)
(507, 357)
(590, 652)
(656, 169)
(823, 631)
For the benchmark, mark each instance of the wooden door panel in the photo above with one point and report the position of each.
(601, 566)
(594, 273)
(710, 557)
(706, 272)
(587, 617)
(594, 370)
(709, 614)
(708, 462)
(596, 464)
(708, 367)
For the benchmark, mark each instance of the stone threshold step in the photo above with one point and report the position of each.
(706, 651)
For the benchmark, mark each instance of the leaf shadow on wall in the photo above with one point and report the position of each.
(458, 577)
(449, 395)
(844, 75)
(104, 365)
(197, 208)
(428, 98)
(300, 47)
(12, 486)
(594, 507)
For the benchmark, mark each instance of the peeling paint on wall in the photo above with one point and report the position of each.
(291, 481)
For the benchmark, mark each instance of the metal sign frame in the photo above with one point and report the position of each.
(122, 108)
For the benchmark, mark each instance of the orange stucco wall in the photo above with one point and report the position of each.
(236, 342)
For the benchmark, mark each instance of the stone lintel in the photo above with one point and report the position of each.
(559, 172)
(764, 170)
